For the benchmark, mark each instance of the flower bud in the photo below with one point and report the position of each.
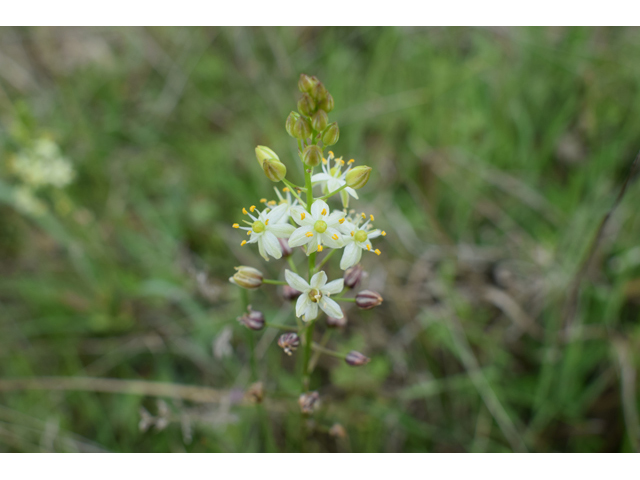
(306, 105)
(255, 392)
(312, 155)
(291, 121)
(253, 319)
(284, 246)
(353, 275)
(333, 322)
(367, 299)
(301, 128)
(265, 153)
(289, 342)
(356, 359)
(319, 92)
(338, 431)
(306, 83)
(358, 177)
(274, 170)
(247, 277)
(309, 402)
(319, 120)
(327, 103)
(331, 134)
(290, 293)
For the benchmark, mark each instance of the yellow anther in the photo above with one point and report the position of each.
(369, 247)
(383, 233)
(319, 248)
(298, 190)
(334, 236)
(377, 251)
(331, 153)
(285, 189)
(341, 221)
(351, 161)
(363, 215)
(323, 212)
(309, 234)
(324, 160)
(252, 208)
(249, 232)
(352, 234)
(244, 210)
(302, 215)
(266, 222)
(244, 242)
(263, 200)
(235, 225)
(371, 217)
(271, 203)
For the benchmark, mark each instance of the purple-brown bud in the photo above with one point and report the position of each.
(247, 277)
(356, 359)
(337, 431)
(309, 402)
(290, 293)
(367, 299)
(255, 392)
(284, 246)
(289, 342)
(353, 275)
(253, 319)
(333, 322)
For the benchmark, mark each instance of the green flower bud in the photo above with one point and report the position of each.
(331, 134)
(291, 121)
(247, 277)
(265, 153)
(319, 92)
(302, 128)
(306, 83)
(312, 155)
(306, 105)
(274, 170)
(319, 120)
(358, 177)
(327, 103)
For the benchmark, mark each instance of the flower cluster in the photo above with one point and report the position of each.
(300, 218)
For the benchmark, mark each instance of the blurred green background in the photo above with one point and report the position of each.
(496, 154)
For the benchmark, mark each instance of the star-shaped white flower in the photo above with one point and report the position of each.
(356, 239)
(286, 200)
(315, 294)
(266, 229)
(316, 228)
(332, 179)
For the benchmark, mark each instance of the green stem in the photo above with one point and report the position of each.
(292, 264)
(281, 327)
(308, 341)
(316, 354)
(274, 282)
(331, 194)
(293, 192)
(326, 351)
(326, 258)
(343, 299)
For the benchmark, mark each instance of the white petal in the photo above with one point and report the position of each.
(299, 236)
(317, 208)
(334, 218)
(331, 307)
(301, 216)
(312, 246)
(272, 245)
(320, 177)
(318, 280)
(296, 281)
(302, 303)
(350, 256)
(311, 312)
(329, 240)
(374, 234)
(346, 228)
(345, 198)
(261, 249)
(351, 192)
(277, 213)
(333, 287)
(281, 230)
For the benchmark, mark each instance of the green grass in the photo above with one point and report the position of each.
(496, 153)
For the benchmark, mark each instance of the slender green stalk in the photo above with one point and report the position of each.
(292, 189)
(306, 376)
(326, 259)
(331, 194)
(274, 282)
(316, 354)
(343, 299)
(326, 351)
(292, 264)
(281, 327)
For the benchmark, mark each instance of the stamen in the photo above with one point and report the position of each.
(271, 203)
(319, 248)
(369, 247)
(341, 221)
(302, 215)
(352, 234)
(371, 217)
(249, 232)
(383, 233)
(235, 225)
(324, 160)
(263, 200)
(266, 222)
(331, 153)
(244, 242)
(244, 210)
(334, 236)
(298, 190)
(351, 161)
(363, 215)
(285, 189)
(252, 208)
(377, 251)
(323, 212)
(308, 234)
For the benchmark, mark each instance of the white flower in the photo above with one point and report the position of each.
(356, 239)
(288, 200)
(316, 228)
(266, 229)
(332, 179)
(315, 294)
